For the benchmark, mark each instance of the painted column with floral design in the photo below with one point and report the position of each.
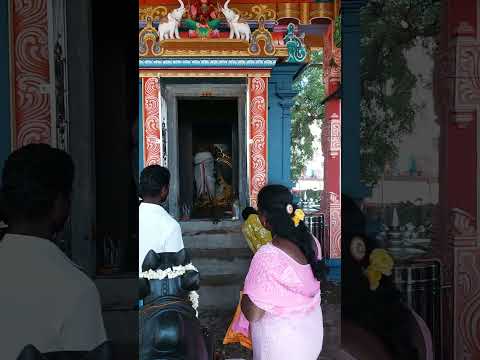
(257, 135)
(331, 145)
(152, 149)
(31, 115)
(457, 94)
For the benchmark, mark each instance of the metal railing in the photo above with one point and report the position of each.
(316, 224)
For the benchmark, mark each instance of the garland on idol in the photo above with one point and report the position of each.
(172, 273)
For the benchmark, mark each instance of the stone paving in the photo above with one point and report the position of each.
(218, 321)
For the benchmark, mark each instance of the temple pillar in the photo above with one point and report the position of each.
(350, 80)
(331, 145)
(257, 162)
(332, 152)
(5, 129)
(30, 71)
(281, 100)
(457, 80)
(81, 114)
(150, 117)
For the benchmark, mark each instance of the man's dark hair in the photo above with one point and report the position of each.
(32, 179)
(152, 180)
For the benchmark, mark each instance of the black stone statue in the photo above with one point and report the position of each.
(169, 328)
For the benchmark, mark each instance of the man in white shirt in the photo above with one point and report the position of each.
(158, 231)
(46, 300)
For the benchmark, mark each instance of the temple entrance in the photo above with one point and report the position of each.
(203, 143)
(208, 157)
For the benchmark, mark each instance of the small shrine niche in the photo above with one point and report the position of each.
(208, 157)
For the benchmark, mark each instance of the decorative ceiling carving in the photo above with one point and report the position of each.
(268, 21)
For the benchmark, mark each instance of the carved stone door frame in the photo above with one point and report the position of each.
(172, 93)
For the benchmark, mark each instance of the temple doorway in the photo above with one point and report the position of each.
(203, 136)
(208, 157)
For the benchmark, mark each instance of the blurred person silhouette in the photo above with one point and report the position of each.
(376, 323)
(47, 301)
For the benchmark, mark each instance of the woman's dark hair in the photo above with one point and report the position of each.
(272, 203)
(33, 176)
(152, 180)
(247, 212)
(383, 311)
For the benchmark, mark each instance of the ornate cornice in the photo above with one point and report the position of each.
(206, 73)
(207, 63)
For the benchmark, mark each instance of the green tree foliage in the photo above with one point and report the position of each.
(389, 28)
(306, 111)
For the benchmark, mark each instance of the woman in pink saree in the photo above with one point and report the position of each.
(281, 297)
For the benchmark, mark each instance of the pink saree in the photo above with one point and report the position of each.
(292, 326)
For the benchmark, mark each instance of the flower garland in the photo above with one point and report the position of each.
(172, 273)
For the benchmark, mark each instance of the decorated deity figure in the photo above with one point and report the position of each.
(204, 170)
(223, 170)
(203, 19)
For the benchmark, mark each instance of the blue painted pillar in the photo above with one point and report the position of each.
(280, 102)
(351, 184)
(5, 126)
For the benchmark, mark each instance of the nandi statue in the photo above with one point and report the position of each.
(169, 29)
(241, 30)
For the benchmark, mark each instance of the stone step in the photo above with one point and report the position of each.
(221, 280)
(220, 291)
(206, 235)
(210, 262)
(211, 267)
(222, 297)
(221, 254)
(228, 254)
(196, 226)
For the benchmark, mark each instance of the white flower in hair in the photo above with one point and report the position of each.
(290, 209)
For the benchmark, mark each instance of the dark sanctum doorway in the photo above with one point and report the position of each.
(208, 157)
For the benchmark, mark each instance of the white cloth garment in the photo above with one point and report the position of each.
(157, 231)
(205, 174)
(46, 300)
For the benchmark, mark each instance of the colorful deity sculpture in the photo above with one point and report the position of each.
(203, 20)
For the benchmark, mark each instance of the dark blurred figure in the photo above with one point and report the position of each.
(46, 301)
(376, 324)
(248, 211)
